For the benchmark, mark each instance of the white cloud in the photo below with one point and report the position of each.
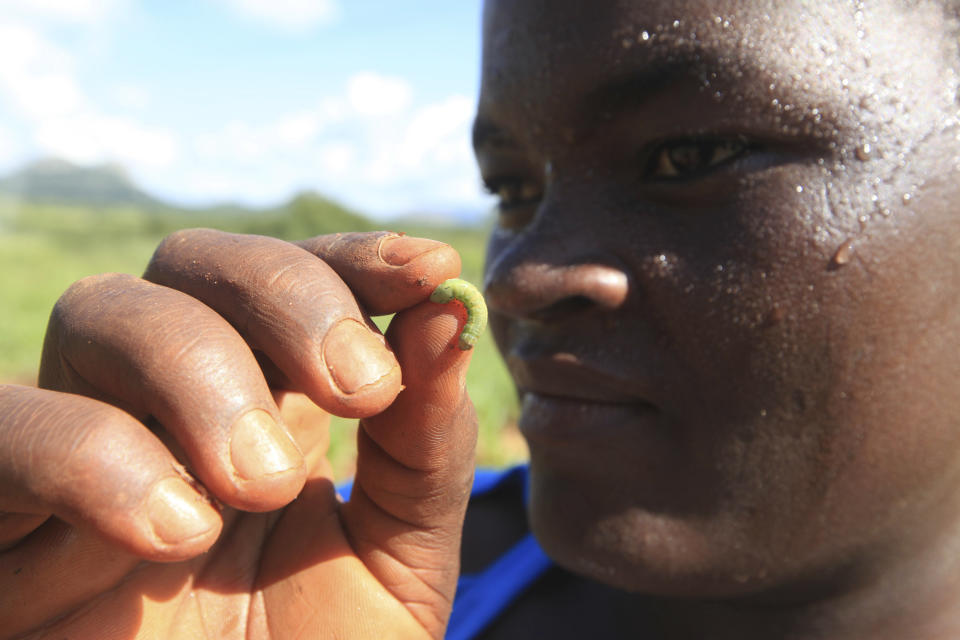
(385, 155)
(38, 84)
(337, 159)
(24, 46)
(406, 158)
(430, 139)
(35, 74)
(287, 15)
(236, 141)
(63, 11)
(90, 138)
(250, 143)
(297, 129)
(130, 96)
(440, 133)
(416, 160)
(371, 94)
(44, 95)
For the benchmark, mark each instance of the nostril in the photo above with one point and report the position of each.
(566, 307)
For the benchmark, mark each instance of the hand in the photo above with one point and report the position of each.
(169, 478)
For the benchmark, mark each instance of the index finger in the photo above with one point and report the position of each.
(387, 271)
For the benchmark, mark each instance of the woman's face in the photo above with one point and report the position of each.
(726, 278)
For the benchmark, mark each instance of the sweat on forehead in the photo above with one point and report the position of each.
(837, 64)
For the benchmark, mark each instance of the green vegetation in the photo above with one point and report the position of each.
(45, 246)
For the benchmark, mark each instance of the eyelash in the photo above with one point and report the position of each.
(513, 192)
(705, 154)
(517, 194)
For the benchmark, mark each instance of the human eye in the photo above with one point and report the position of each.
(517, 199)
(513, 191)
(693, 157)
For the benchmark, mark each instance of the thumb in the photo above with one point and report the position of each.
(415, 466)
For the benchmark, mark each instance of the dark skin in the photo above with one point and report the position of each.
(766, 422)
(725, 277)
(216, 516)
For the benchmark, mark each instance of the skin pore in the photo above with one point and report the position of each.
(726, 279)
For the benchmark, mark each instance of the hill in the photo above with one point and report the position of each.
(55, 181)
(59, 198)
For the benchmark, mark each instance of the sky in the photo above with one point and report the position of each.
(249, 101)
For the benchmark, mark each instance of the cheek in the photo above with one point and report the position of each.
(842, 401)
(761, 314)
(818, 400)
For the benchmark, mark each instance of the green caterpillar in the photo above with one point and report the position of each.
(472, 300)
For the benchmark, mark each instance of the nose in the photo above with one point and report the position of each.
(546, 278)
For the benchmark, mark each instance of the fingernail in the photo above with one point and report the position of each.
(177, 512)
(355, 357)
(399, 250)
(260, 447)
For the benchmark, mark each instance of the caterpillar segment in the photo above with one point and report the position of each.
(472, 300)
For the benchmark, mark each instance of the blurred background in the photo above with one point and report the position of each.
(123, 120)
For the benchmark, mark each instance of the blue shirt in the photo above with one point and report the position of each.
(482, 597)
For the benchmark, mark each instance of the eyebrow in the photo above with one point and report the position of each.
(631, 89)
(620, 93)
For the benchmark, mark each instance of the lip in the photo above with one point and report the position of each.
(583, 424)
(567, 402)
(566, 377)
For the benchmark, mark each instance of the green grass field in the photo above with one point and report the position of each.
(44, 248)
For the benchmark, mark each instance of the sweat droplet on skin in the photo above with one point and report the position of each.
(842, 255)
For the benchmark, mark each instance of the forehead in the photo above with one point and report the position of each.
(844, 61)
(619, 31)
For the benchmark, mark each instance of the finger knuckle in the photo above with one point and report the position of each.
(90, 288)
